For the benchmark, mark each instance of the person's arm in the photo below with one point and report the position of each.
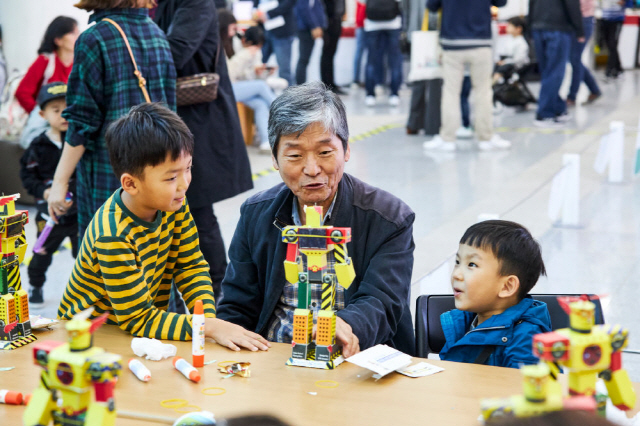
(85, 114)
(575, 16)
(376, 308)
(189, 27)
(243, 296)
(434, 5)
(29, 174)
(27, 90)
(519, 351)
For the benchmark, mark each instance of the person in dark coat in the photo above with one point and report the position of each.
(221, 166)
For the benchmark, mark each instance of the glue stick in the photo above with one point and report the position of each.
(186, 369)
(10, 397)
(140, 371)
(197, 335)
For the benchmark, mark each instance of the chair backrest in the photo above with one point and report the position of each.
(429, 307)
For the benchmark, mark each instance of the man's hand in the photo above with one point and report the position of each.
(233, 336)
(58, 205)
(316, 33)
(259, 16)
(345, 337)
(581, 39)
(45, 194)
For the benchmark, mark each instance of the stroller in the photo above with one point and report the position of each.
(513, 91)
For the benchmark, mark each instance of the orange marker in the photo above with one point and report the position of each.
(10, 397)
(197, 334)
(186, 369)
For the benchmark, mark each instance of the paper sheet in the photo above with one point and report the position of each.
(381, 359)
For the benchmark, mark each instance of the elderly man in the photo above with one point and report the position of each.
(309, 136)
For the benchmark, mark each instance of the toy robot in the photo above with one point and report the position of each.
(316, 242)
(71, 371)
(587, 352)
(15, 327)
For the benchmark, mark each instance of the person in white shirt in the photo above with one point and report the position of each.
(516, 54)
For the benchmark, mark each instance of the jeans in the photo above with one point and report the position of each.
(361, 45)
(552, 49)
(581, 73)
(611, 33)
(257, 95)
(331, 36)
(465, 110)
(281, 46)
(375, 62)
(306, 43)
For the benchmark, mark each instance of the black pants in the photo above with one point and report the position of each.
(331, 37)
(306, 43)
(211, 245)
(40, 262)
(611, 34)
(426, 96)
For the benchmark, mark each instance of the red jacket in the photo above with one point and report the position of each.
(360, 14)
(28, 89)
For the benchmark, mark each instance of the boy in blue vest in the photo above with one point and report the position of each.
(497, 264)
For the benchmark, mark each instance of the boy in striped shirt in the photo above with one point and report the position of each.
(143, 238)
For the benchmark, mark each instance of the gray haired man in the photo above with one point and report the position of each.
(308, 134)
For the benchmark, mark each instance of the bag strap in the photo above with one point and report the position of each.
(141, 81)
(485, 354)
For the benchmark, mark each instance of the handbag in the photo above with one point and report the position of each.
(198, 88)
(141, 81)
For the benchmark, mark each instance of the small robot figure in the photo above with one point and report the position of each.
(541, 394)
(587, 351)
(71, 371)
(316, 242)
(15, 327)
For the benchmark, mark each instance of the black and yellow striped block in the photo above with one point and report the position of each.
(13, 277)
(21, 341)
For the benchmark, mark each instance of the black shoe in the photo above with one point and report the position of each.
(36, 298)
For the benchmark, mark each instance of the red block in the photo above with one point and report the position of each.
(551, 346)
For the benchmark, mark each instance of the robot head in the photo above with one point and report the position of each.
(535, 382)
(80, 329)
(314, 216)
(582, 316)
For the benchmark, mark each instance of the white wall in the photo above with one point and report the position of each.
(24, 23)
(513, 8)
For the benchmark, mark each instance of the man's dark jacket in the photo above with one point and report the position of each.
(556, 15)
(377, 303)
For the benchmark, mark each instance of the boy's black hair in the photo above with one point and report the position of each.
(59, 27)
(518, 21)
(514, 247)
(254, 36)
(144, 136)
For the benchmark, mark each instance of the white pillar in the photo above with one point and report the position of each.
(571, 203)
(616, 152)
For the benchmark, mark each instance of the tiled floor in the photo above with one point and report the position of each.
(448, 191)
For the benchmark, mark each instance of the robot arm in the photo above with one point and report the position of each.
(615, 378)
(345, 274)
(289, 236)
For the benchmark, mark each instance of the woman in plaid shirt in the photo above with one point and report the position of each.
(102, 88)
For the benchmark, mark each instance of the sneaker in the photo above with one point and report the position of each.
(438, 144)
(464, 133)
(36, 298)
(265, 148)
(496, 142)
(394, 100)
(564, 117)
(548, 122)
(370, 101)
(592, 98)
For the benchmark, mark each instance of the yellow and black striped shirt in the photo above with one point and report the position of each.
(126, 266)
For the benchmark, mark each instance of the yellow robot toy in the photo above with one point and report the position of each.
(308, 262)
(15, 327)
(587, 352)
(76, 386)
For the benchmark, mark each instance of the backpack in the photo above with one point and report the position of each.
(12, 116)
(382, 10)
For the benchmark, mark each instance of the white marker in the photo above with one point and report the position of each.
(197, 334)
(140, 371)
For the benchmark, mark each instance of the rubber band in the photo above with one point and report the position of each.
(226, 362)
(204, 391)
(191, 409)
(181, 403)
(330, 384)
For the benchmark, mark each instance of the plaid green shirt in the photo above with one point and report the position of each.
(102, 88)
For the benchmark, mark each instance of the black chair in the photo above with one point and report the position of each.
(429, 335)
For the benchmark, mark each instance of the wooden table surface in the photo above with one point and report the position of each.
(451, 397)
